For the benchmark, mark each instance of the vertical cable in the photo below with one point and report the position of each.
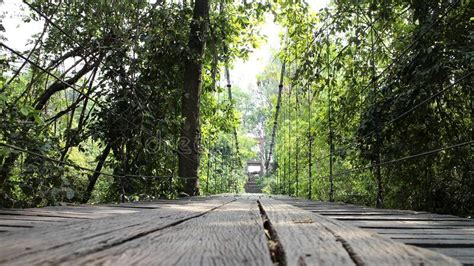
(297, 116)
(275, 122)
(377, 173)
(208, 163)
(229, 91)
(331, 144)
(310, 146)
(288, 107)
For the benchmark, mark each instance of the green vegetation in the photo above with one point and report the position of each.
(102, 90)
(384, 90)
(376, 105)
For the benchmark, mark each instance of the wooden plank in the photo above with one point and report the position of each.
(363, 247)
(45, 213)
(330, 207)
(466, 261)
(303, 241)
(5, 229)
(36, 218)
(397, 218)
(437, 242)
(20, 223)
(56, 244)
(416, 232)
(230, 235)
(413, 225)
(354, 211)
(323, 206)
(355, 215)
(87, 210)
(430, 236)
(363, 211)
(151, 204)
(466, 252)
(464, 255)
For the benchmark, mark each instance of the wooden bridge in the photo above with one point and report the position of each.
(247, 229)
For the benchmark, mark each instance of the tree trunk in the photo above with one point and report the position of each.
(190, 131)
(62, 85)
(275, 122)
(93, 178)
(7, 168)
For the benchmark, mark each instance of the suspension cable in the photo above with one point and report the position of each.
(329, 87)
(73, 87)
(422, 154)
(275, 122)
(65, 33)
(229, 91)
(377, 77)
(340, 53)
(75, 166)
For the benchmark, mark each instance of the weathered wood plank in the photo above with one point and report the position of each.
(437, 242)
(6, 229)
(303, 241)
(414, 224)
(466, 252)
(23, 224)
(464, 255)
(365, 211)
(230, 235)
(35, 218)
(416, 232)
(84, 210)
(466, 261)
(77, 214)
(53, 245)
(430, 236)
(397, 218)
(362, 246)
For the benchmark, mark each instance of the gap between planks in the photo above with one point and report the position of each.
(339, 243)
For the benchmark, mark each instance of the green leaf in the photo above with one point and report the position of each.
(24, 110)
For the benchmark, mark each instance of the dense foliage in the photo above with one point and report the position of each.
(376, 106)
(101, 89)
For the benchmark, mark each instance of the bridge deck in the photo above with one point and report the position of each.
(447, 234)
(232, 230)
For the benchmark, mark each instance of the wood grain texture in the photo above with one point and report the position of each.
(464, 255)
(468, 226)
(415, 232)
(6, 229)
(230, 235)
(36, 217)
(225, 231)
(56, 244)
(406, 217)
(364, 247)
(304, 240)
(430, 236)
(423, 229)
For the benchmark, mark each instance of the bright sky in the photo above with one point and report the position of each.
(17, 32)
(243, 74)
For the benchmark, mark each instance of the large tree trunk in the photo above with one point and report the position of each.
(190, 131)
